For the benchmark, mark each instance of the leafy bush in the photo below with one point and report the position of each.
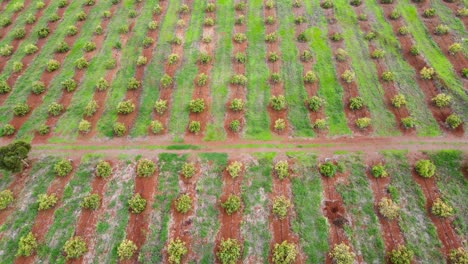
(370, 35)
(27, 245)
(84, 126)
(132, 13)
(453, 121)
(237, 105)
(327, 169)
(103, 169)
(209, 22)
(315, 103)
(184, 9)
(342, 254)
(166, 81)
(400, 255)
(299, 20)
(240, 6)
(126, 249)
(75, 247)
(388, 76)
(43, 32)
(125, 107)
(206, 39)
(176, 250)
(19, 33)
(462, 12)
(52, 65)
(310, 77)
(284, 253)
(43, 129)
(91, 201)
(458, 256)
(54, 18)
(142, 60)
(46, 201)
(89, 46)
(5, 22)
(441, 100)
(204, 58)
(62, 47)
(196, 105)
(194, 127)
(81, 63)
(62, 3)
(234, 169)
(210, 7)
(123, 29)
(239, 20)
(238, 79)
(69, 85)
(282, 169)
(355, 2)
(272, 37)
(4, 87)
(173, 58)
(425, 168)
(7, 130)
(273, 57)
(240, 58)
(297, 3)
(133, 84)
(455, 48)
(183, 203)
(336, 36)
(20, 109)
(90, 108)
(348, 76)
(326, 4)
(6, 198)
(81, 16)
(398, 100)
(137, 204)
(119, 129)
(270, 20)
(6, 50)
(31, 49)
(13, 155)
(280, 124)
(403, 30)
(306, 56)
(378, 54)
(232, 204)
(441, 208)
(55, 109)
(63, 167)
(363, 122)
(430, 12)
(302, 37)
(145, 168)
(320, 124)
(188, 169)
(388, 208)
(278, 103)
(160, 106)
(240, 37)
(379, 171)
(408, 122)
(235, 126)
(275, 78)
(341, 55)
(229, 251)
(395, 14)
(72, 31)
(441, 29)
(356, 103)
(37, 87)
(386, 1)
(464, 73)
(280, 206)
(102, 84)
(17, 66)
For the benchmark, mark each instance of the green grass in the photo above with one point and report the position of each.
(169, 166)
(222, 66)
(357, 196)
(154, 71)
(258, 93)
(20, 222)
(256, 186)
(329, 87)
(206, 221)
(452, 185)
(183, 79)
(367, 78)
(419, 232)
(404, 73)
(6, 178)
(291, 72)
(308, 223)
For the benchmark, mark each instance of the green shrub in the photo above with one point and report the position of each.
(166, 81)
(232, 204)
(5, 22)
(62, 47)
(395, 14)
(455, 48)
(239, 20)
(210, 7)
(145, 168)
(209, 22)
(403, 30)
(458, 256)
(240, 6)
(54, 18)
(441, 208)
(441, 29)
(425, 168)
(408, 122)
(81, 63)
(6, 198)
(388, 208)
(196, 105)
(91, 201)
(284, 253)
(43, 129)
(19, 33)
(400, 255)
(194, 127)
(441, 100)
(320, 124)
(388, 76)
(142, 60)
(462, 12)
(272, 37)
(4, 87)
(386, 1)
(152, 25)
(63, 167)
(183, 203)
(204, 58)
(229, 251)
(315, 103)
(89, 2)
(125, 107)
(280, 124)
(81, 16)
(46, 201)
(31, 49)
(6, 50)
(282, 169)
(237, 105)
(297, 3)
(89, 46)
(348, 76)
(355, 2)
(356, 103)
(299, 20)
(55, 109)
(281, 206)
(176, 250)
(428, 13)
(326, 4)
(234, 169)
(235, 126)
(43, 32)
(132, 13)
(103, 169)
(102, 84)
(238, 79)
(370, 35)
(90, 108)
(379, 171)
(72, 31)
(302, 37)
(52, 65)
(69, 85)
(188, 169)
(37, 87)
(17, 66)
(363, 122)
(464, 73)
(206, 39)
(275, 78)
(75, 247)
(327, 169)
(336, 36)
(398, 100)
(184, 9)
(278, 103)
(240, 58)
(342, 254)
(160, 106)
(62, 3)
(378, 54)
(309, 77)
(137, 204)
(126, 249)
(27, 245)
(20, 109)
(7, 130)
(133, 84)
(306, 56)
(453, 121)
(84, 126)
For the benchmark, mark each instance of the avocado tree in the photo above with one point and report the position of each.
(13, 156)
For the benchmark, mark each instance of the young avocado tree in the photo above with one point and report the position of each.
(13, 156)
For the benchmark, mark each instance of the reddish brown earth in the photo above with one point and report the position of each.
(137, 226)
(349, 89)
(428, 87)
(45, 218)
(203, 92)
(16, 186)
(458, 61)
(274, 67)
(445, 230)
(13, 18)
(281, 228)
(236, 91)
(35, 100)
(230, 224)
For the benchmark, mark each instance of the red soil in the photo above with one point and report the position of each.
(429, 88)
(45, 218)
(445, 230)
(16, 186)
(230, 224)
(236, 91)
(349, 89)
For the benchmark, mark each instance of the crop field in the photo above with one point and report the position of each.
(234, 131)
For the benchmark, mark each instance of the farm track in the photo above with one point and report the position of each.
(230, 225)
(236, 91)
(445, 230)
(458, 60)
(13, 18)
(390, 89)
(418, 62)
(27, 59)
(350, 89)
(33, 101)
(276, 88)
(16, 186)
(281, 228)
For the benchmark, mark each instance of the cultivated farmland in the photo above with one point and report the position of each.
(232, 131)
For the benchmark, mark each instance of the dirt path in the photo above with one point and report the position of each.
(428, 87)
(445, 230)
(13, 18)
(350, 90)
(16, 186)
(236, 91)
